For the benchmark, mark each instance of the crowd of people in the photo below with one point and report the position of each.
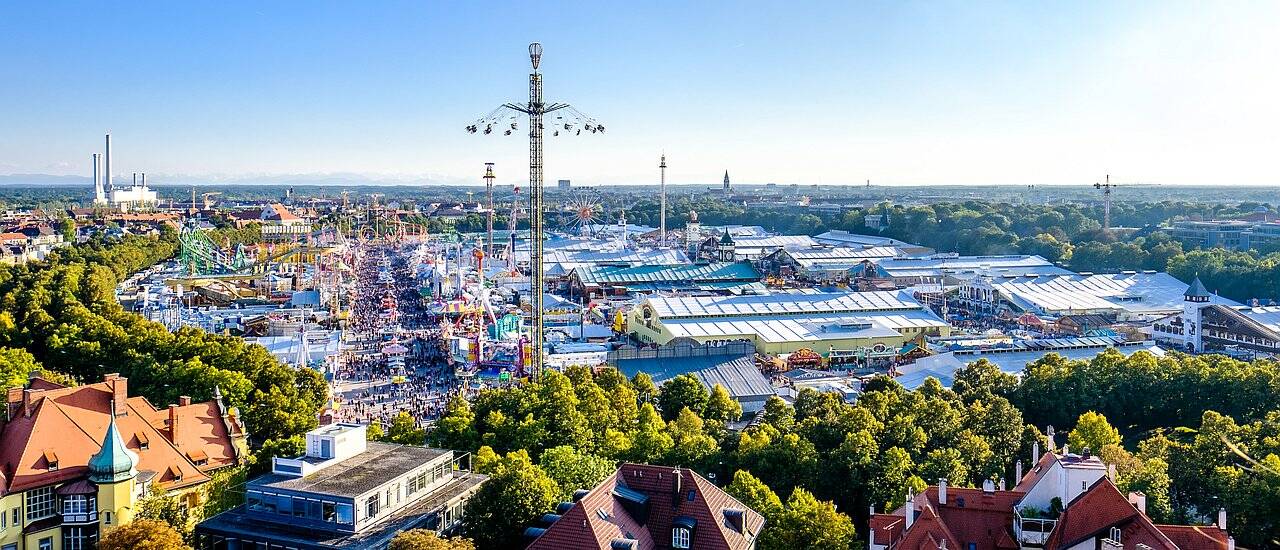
(395, 362)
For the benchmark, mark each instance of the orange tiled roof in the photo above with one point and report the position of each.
(69, 422)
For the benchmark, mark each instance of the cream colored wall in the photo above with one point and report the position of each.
(11, 533)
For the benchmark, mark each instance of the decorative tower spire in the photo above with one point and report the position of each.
(114, 462)
(726, 181)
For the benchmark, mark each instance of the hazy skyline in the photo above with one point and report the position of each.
(833, 93)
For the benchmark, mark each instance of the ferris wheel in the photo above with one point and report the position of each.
(582, 214)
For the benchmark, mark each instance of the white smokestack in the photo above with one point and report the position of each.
(1222, 519)
(942, 490)
(107, 165)
(97, 179)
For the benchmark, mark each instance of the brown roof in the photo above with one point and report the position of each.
(599, 517)
(1196, 537)
(69, 423)
(969, 516)
(1095, 512)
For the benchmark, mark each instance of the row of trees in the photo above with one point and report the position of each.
(1067, 234)
(542, 441)
(61, 315)
(1195, 433)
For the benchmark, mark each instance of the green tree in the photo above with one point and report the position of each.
(405, 431)
(425, 539)
(806, 522)
(720, 407)
(754, 494)
(1092, 431)
(516, 494)
(143, 534)
(15, 366)
(683, 391)
(573, 470)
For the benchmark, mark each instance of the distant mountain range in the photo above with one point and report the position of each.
(161, 180)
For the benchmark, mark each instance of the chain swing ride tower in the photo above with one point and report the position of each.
(488, 189)
(506, 119)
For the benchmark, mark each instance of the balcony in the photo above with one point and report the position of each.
(1032, 531)
(80, 517)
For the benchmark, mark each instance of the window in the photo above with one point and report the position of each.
(40, 504)
(346, 513)
(371, 506)
(329, 511)
(17, 517)
(106, 518)
(680, 537)
(78, 538)
(77, 504)
(46, 543)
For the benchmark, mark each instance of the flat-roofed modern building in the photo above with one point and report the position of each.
(345, 493)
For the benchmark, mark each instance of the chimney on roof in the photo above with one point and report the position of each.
(676, 478)
(1111, 472)
(1002, 484)
(1139, 500)
(1048, 432)
(909, 509)
(13, 400)
(942, 490)
(119, 394)
(1017, 470)
(173, 423)
(988, 486)
(1035, 452)
(1222, 519)
(184, 400)
(1086, 454)
(1231, 543)
(1066, 449)
(28, 401)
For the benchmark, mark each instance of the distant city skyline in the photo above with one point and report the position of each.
(901, 93)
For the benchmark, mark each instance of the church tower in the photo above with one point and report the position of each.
(692, 235)
(1193, 302)
(113, 469)
(726, 247)
(726, 182)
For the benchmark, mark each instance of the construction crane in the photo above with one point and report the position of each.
(562, 117)
(1106, 203)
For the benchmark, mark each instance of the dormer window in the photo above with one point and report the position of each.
(51, 459)
(680, 537)
(682, 531)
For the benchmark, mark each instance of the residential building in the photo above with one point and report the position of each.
(345, 493)
(1094, 514)
(76, 461)
(647, 507)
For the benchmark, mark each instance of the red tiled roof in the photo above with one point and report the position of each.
(1096, 511)
(69, 423)
(599, 517)
(969, 516)
(1195, 537)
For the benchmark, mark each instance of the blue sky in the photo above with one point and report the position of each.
(838, 92)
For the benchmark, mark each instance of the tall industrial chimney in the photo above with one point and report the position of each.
(107, 165)
(97, 179)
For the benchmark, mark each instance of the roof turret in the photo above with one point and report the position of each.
(114, 462)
